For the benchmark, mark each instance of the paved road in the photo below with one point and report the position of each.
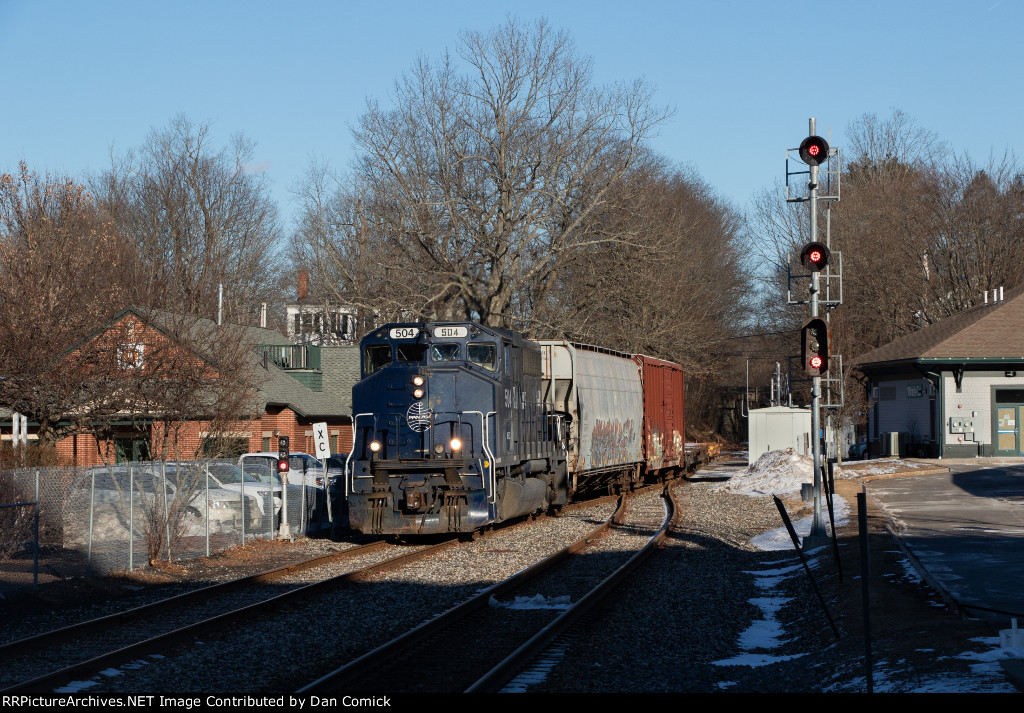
(966, 527)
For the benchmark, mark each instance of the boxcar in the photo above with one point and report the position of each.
(664, 431)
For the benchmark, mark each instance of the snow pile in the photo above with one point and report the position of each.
(774, 473)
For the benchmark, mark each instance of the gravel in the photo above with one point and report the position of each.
(708, 612)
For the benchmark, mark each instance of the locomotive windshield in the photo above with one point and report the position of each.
(485, 355)
(444, 352)
(410, 352)
(376, 357)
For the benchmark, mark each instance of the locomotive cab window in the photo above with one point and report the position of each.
(485, 355)
(410, 352)
(444, 352)
(376, 358)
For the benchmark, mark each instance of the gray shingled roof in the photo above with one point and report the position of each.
(278, 387)
(988, 331)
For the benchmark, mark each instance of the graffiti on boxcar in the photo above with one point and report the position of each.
(655, 453)
(611, 442)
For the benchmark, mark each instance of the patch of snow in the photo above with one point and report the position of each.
(538, 601)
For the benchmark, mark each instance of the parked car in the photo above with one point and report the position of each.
(108, 498)
(859, 450)
(305, 485)
(227, 475)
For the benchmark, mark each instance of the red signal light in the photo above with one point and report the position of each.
(282, 465)
(816, 362)
(814, 151)
(815, 256)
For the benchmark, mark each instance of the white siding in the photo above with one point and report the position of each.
(901, 412)
(974, 401)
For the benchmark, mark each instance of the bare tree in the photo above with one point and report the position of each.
(472, 190)
(678, 289)
(199, 216)
(67, 270)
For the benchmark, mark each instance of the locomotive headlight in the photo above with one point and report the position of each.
(418, 393)
(375, 446)
(417, 380)
(456, 445)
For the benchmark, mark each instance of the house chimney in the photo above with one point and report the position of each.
(303, 284)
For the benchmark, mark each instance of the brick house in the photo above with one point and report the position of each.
(295, 386)
(952, 389)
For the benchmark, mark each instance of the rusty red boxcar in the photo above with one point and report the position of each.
(664, 431)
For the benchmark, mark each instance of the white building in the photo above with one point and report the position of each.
(952, 389)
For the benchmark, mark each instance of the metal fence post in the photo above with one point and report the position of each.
(241, 503)
(131, 518)
(92, 508)
(35, 554)
(167, 514)
(206, 469)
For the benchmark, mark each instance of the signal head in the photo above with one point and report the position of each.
(815, 256)
(815, 347)
(814, 151)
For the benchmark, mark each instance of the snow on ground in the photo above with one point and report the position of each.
(783, 472)
(757, 641)
(774, 473)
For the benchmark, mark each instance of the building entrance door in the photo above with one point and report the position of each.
(1008, 411)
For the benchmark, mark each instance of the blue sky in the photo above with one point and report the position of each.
(744, 77)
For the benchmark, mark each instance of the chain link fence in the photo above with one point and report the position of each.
(61, 522)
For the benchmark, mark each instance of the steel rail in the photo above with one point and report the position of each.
(56, 635)
(514, 662)
(413, 637)
(132, 650)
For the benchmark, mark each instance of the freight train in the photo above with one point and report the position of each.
(457, 426)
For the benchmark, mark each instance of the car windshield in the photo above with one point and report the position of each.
(231, 474)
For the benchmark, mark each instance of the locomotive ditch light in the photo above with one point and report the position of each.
(815, 256)
(814, 151)
(375, 446)
(456, 445)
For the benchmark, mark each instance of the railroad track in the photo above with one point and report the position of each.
(481, 643)
(115, 639)
(111, 640)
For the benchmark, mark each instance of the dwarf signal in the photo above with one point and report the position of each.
(282, 454)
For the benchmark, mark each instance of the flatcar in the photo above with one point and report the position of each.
(457, 426)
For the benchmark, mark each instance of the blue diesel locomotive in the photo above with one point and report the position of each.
(451, 431)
